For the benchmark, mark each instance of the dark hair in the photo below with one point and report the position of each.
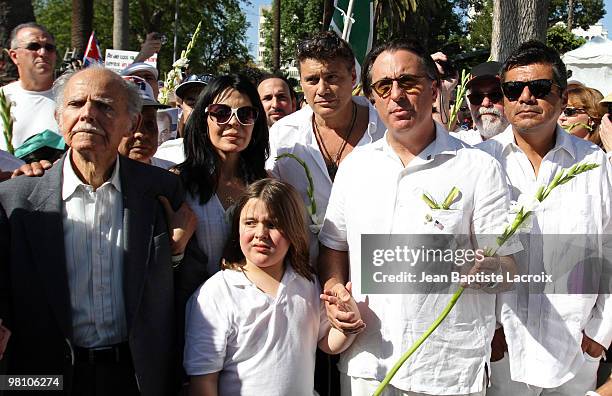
(30, 25)
(200, 171)
(287, 211)
(327, 47)
(534, 51)
(393, 46)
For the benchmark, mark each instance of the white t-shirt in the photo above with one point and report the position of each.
(32, 111)
(544, 331)
(261, 345)
(375, 194)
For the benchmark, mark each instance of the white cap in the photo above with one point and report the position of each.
(146, 92)
(139, 66)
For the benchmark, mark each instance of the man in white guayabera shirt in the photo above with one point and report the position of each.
(378, 190)
(551, 341)
(485, 100)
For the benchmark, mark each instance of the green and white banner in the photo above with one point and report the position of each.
(360, 31)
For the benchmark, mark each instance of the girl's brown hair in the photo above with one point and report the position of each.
(286, 209)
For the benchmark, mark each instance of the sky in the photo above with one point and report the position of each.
(252, 17)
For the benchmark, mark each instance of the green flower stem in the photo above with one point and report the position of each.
(461, 89)
(570, 127)
(312, 208)
(450, 198)
(560, 178)
(420, 341)
(7, 121)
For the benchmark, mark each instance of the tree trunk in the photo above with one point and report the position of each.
(328, 12)
(517, 21)
(12, 13)
(570, 15)
(121, 24)
(276, 16)
(82, 25)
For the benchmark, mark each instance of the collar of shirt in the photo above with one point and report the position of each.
(71, 181)
(239, 278)
(443, 144)
(563, 141)
(301, 119)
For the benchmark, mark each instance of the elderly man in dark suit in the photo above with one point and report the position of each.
(92, 260)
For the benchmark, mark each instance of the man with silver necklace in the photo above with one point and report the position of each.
(323, 133)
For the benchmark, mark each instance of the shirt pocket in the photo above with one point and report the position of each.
(446, 221)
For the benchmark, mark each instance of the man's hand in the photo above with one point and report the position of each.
(342, 310)
(486, 266)
(5, 334)
(34, 169)
(151, 45)
(591, 347)
(605, 132)
(181, 225)
(448, 83)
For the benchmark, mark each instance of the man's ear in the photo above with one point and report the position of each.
(13, 54)
(564, 99)
(434, 91)
(136, 122)
(353, 76)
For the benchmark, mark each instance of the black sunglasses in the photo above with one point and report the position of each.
(406, 82)
(572, 111)
(538, 88)
(221, 113)
(476, 98)
(37, 46)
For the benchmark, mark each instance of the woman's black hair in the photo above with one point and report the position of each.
(200, 171)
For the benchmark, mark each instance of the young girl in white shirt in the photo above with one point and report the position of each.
(253, 328)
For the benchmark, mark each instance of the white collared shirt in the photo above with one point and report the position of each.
(375, 194)
(469, 136)
(93, 241)
(293, 134)
(544, 331)
(261, 345)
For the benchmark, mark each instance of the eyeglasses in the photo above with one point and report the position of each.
(33, 46)
(407, 82)
(572, 111)
(205, 78)
(538, 88)
(476, 98)
(221, 114)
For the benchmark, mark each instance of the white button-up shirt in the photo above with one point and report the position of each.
(261, 345)
(93, 241)
(293, 134)
(375, 194)
(544, 331)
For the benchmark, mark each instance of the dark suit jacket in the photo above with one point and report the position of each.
(34, 294)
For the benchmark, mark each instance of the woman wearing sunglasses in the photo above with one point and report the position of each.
(582, 115)
(226, 146)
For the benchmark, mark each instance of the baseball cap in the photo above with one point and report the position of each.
(146, 92)
(193, 80)
(485, 70)
(45, 139)
(139, 66)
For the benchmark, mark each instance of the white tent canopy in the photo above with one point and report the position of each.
(591, 64)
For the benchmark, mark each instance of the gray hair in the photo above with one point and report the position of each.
(134, 100)
(27, 25)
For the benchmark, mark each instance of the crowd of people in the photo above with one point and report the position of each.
(229, 260)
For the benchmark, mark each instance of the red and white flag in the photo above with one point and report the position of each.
(92, 55)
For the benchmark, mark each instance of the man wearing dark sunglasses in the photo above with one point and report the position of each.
(551, 342)
(485, 99)
(34, 53)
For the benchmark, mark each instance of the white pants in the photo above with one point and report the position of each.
(502, 385)
(354, 386)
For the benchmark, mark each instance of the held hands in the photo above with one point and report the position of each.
(181, 225)
(484, 273)
(342, 310)
(591, 347)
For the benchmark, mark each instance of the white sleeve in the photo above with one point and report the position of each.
(599, 326)
(271, 164)
(333, 234)
(206, 329)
